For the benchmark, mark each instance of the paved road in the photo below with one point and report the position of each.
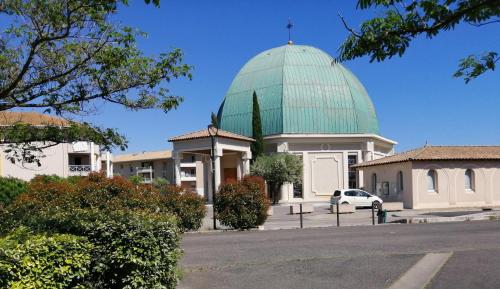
(345, 257)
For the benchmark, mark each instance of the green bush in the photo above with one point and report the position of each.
(242, 205)
(138, 250)
(10, 188)
(189, 207)
(135, 236)
(42, 261)
(160, 182)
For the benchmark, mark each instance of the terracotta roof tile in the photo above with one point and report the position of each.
(204, 134)
(8, 118)
(142, 156)
(428, 153)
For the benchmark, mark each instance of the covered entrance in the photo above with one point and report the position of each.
(232, 157)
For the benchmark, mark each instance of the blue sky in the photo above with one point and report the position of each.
(416, 97)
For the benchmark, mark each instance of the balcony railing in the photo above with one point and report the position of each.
(144, 170)
(79, 169)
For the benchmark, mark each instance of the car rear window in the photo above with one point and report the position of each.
(336, 194)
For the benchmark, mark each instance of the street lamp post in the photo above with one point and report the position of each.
(211, 128)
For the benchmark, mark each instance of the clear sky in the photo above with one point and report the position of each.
(416, 97)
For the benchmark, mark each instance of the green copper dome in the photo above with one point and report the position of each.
(301, 90)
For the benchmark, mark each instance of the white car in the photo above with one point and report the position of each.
(354, 197)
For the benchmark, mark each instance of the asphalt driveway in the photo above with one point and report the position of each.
(345, 257)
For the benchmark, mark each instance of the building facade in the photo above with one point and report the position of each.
(64, 159)
(437, 177)
(231, 158)
(160, 164)
(311, 106)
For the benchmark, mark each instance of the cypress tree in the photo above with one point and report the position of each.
(213, 120)
(257, 147)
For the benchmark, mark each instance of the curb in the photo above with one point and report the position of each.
(465, 218)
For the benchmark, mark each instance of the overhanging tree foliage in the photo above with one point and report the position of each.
(257, 147)
(403, 21)
(66, 57)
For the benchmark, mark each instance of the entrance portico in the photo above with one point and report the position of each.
(232, 157)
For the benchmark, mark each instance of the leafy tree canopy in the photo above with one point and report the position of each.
(402, 21)
(277, 169)
(66, 57)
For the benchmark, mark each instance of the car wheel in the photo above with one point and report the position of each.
(345, 203)
(376, 203)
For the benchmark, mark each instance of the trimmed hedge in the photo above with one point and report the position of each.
(42, 261)
(242, 205)
(10, 188)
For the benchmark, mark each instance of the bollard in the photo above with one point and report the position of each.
(338, 214)
(373, 214)
(300, 206)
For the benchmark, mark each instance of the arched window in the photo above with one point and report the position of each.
(400, 181)
(431, 181)
(374, 183)
(469, 180)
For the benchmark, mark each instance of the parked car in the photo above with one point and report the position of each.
(358, 198)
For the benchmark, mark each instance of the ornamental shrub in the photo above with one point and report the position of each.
(10, 188)
(134, 234)
(188, 206)
(43, 261)
(133, 250)
(242, 205)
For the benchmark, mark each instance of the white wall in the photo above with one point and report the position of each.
(389, 173)
(451, 191)
(55, 162)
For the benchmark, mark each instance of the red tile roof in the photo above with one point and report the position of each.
(428, 153)
(204, 134)
(8, 118)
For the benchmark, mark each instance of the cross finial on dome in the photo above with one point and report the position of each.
(289, 26)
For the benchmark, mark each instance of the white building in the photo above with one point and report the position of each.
(160, 164)
(437, 177)
(64, 159)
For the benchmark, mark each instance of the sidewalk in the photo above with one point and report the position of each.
(321, 217)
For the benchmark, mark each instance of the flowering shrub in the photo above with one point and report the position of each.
(242, 205)
(188, 206)
(133, 229)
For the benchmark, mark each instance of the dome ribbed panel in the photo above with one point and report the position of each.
(300, 90)
(262, 74)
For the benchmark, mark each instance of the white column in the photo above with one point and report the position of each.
(346, 169)
(369, 151)
(109, 173)
(111, 169)
(360, 172)
(247, 156)
(217, 172)
(92, 157)
(217, 156)
(177, 167)
(239, 168)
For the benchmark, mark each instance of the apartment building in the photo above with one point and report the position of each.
(64, 159)
(160, 164)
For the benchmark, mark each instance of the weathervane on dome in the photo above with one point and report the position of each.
(289, 26)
